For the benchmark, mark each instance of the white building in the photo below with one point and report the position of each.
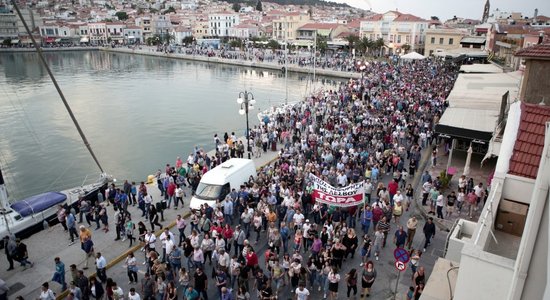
(115, 32)
(97, 33)
(133, 34)
(505, 255)
(219, 23)
(244, 31)
(181, 32)
(396, 29)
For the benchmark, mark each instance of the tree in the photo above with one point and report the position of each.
(365, 45)
(406, 48)
(122, 15)
(169, 10)
(378, 44)
(434, 18)
(140, 11)
(273, 44)
(259, 6)
(352, 40)
(322, 44)
(188, 40)
(236, 43)
(236, 7)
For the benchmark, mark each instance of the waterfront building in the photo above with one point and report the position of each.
(8, 24)
(200, 29)
(98, 33)
(115, 32)
(396, 29)
(505, 254)
(244, 31)
(133, 34)
(145, 24)
(286, 26)
(161, 25)
(220, 23)
(443, 39)
(181, 32)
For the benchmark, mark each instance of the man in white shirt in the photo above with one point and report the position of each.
(298, 218)
(118, 293)
(166, 236)
(101, 265)
(223, 258)
(150, 239)
(133, 295)
(302, 293)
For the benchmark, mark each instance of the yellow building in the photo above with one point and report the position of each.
(443, 39)
(288, 24)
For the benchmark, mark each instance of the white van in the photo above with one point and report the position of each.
(218, 182)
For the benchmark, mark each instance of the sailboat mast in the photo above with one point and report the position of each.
(286, 62)
(314, 56)
(69, 110)
(4, 203)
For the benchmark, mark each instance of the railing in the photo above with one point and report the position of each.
(488, 211)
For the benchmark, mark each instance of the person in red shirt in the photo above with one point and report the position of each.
(251, 258)
(377, 214)
(227, 234)
(171, 191)
(393, 186)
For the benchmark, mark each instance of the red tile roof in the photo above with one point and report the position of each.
(525, 159)
(314, 26)
(536, 51)
(408, 18)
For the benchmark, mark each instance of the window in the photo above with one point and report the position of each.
(441, 41)
(432, 40)
(451, 41)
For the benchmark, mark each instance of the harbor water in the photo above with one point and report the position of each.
(138, 113)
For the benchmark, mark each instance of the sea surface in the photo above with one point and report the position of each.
(137, 112)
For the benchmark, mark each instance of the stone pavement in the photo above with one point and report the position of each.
(479, 173)
(44, 246)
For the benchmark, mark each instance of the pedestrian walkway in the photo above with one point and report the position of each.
(53, 242)
(479, 173)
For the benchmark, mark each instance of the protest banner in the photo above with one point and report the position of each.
(350, 195)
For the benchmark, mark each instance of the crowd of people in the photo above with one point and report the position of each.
(370, 130)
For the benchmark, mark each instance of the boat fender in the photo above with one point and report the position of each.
(150, 179)
(45, 225)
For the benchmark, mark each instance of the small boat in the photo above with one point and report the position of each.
(28, 216)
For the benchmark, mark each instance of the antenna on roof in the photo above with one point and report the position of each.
(542, 101)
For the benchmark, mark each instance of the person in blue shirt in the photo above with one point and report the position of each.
(59, 274)
(191, 294)
(71, 225)
(228, 210)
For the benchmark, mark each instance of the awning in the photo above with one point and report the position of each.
(468, 123)
(49, 40)
(84, 40)
(57, 40)
(26, 41)
(131, 37)
(15, 41)
(1, 41)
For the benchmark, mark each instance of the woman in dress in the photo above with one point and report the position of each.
(183, 279)
(351, 281)
(131, 265)
(171, 291)
(207, 247)
(367, 278)
(333, 280)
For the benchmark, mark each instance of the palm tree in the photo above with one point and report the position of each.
(365, 45)
(406, 48)
(353, 41)
(378, 44)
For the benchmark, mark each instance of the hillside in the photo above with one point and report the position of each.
(294, 2)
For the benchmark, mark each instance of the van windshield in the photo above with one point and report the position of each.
(208, 191)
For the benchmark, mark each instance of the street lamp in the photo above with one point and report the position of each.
(246, 100)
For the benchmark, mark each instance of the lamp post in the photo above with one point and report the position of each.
(246, 100)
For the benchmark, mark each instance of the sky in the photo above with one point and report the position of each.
(446, 9)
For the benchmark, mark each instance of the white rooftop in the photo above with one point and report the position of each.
(480, 68)
(474, 101)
